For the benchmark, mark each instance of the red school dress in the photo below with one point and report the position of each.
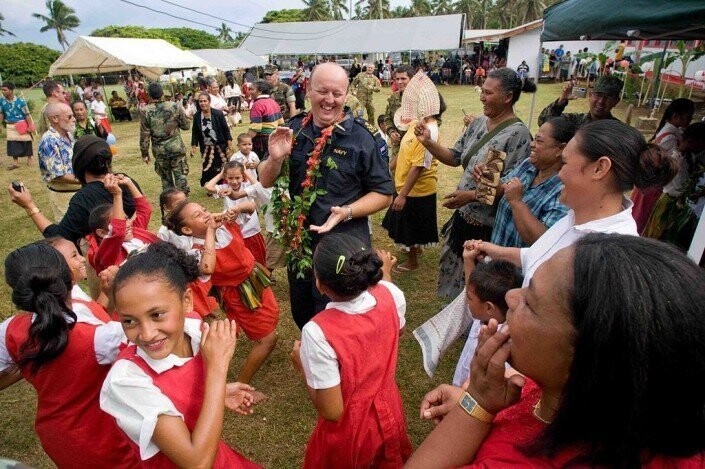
(74, 432)
(111, 251)
(185, 386)
(372, 429)
(234, 266)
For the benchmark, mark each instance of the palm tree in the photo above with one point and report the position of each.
(375, 9)
(4, 31)
(533, 10)
(61, 18)
(471, 8)
(337, 8)
(442, 7)
(401, 12)
(316, 10)
(224, 33)
(420, 8)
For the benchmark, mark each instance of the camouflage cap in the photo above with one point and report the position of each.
(269, 69)
(609, 85)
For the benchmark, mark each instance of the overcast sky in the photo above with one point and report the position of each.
(99, 13)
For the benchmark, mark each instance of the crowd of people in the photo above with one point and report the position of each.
(584, 341)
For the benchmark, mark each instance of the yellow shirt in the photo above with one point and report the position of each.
(412, 153)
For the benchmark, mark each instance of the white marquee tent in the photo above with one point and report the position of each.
(349, 37)
(229, 59)
(151, 57)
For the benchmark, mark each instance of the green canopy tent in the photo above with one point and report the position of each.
(624, 19)
(634, 19)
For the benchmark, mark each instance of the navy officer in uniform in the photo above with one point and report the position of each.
(359, 185)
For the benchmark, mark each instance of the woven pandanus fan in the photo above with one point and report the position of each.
(420, 99)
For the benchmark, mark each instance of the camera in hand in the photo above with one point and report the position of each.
(17, 186)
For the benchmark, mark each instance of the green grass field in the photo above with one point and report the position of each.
(276, 434)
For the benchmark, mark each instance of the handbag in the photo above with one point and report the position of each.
(22, 127)
(486, 138)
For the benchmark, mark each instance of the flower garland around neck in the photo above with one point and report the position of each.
(290, 214)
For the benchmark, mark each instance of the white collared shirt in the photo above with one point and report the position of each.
(319, 360)
(130, 396)
(565, 233)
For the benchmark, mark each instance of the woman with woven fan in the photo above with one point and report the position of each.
(497, 131)
(411, 220)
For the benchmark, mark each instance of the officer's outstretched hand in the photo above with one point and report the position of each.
(337, 214)
(280, 142)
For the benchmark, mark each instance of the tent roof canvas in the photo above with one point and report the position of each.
(109, 54)
(610, 19)
(358, 36)
(230, 59)
(494, 35)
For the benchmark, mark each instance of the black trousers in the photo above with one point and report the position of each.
(306, 301)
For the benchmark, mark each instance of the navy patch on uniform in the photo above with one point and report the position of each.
(339, 151)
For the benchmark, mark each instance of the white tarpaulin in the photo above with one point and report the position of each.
(151, 57)
(230, 59)
(359, 36)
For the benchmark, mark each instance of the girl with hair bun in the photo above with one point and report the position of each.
(348, 356)
(167, 390)
(65, 356)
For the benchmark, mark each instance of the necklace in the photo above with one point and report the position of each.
(290, 214)
(536, 413)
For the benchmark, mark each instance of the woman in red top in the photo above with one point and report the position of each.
(65, 356)
(609, 335)
(348, 354)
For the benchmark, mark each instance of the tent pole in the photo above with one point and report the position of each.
(539, 61)
(105, 97)
(657, 78)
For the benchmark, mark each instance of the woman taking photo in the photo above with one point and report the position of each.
(608, 337)
(212, 136)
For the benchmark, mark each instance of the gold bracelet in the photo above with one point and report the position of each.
(31, 212)
(473, 409)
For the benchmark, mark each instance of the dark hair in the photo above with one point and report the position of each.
(263, 87)
(380, 119)
(165, 198)
(345, 265)
(91, 154)
(155, 90)
(41, 283)
(677, 106)
(634, 162)
(441, 109)
(203, 93)
(49, 87)
(174, 219)
(404, 68)
(78, 101)
(562, 130)
(160, 260)
(243, 136)
(639, 353)
(511, 83)
(9, 85)
(492, 280)
(99, 217)
(233, 165)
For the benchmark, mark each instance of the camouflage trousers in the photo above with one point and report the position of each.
(172, 169)
(366, 103)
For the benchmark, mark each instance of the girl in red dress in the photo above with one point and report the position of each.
(167, 391)
(243, 284)
(348, 354)
(65, 356)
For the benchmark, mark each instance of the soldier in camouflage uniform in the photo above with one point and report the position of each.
(282, 93)
(355, 108)
(602, 98)
(402, 75)
(160, 122)
(363, 86)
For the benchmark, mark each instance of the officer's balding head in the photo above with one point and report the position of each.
(327, 93)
